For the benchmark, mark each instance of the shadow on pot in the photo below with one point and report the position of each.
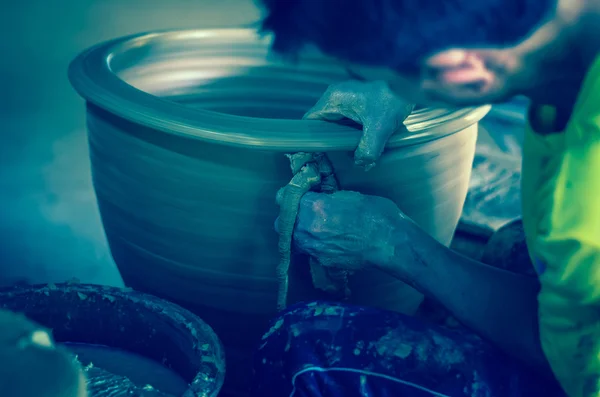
(115, 327)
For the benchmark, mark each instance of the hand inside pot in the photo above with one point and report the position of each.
(348, 230)
(370, 104)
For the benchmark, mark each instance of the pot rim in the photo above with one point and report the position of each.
(91, 76)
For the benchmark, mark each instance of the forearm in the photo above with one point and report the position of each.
(498, 305)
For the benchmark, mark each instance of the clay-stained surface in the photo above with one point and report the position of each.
(368, 348)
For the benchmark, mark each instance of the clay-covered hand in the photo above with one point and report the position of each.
(347, 230)
(371, 104)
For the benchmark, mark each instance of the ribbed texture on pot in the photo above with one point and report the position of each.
(186, 183)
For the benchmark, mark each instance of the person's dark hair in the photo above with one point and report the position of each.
(398, 33)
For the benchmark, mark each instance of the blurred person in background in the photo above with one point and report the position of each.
(451, 53)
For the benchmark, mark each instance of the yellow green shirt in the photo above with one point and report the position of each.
(561, 215)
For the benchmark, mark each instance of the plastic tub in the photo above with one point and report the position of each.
(130, 321)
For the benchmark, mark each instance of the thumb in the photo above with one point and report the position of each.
(326, 109)
(372, 143)
(377, 132)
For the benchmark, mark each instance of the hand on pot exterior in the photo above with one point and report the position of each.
(371, 104)
(347, 230)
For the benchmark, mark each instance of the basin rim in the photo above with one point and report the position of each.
(91, 76)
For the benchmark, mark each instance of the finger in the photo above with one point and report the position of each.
(461, 76)
(299, 160)
(460, 95)
(320, 277)
(447, 59)
(372, 142)
(323, 261)
(464, 84)
(329, 183)
(324, 115)
(370, 147)
(376, 134)
(330, 113)
(327, 108)
(335, 104)
(329, 279)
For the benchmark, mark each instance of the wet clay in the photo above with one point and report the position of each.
(311, 171)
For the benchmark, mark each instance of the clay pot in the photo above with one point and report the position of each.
(187, 131)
